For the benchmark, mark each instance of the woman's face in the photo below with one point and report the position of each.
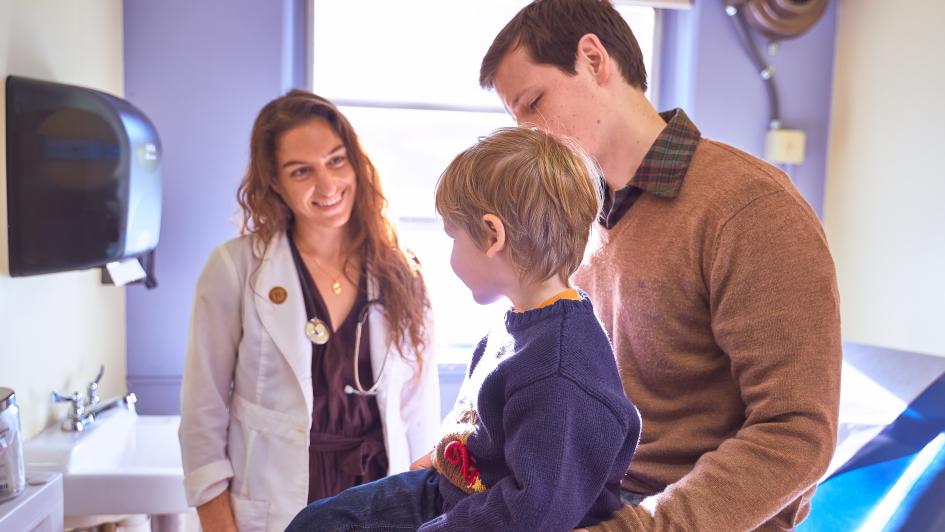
(315, 177)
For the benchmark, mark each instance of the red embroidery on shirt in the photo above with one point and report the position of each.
(457, 453)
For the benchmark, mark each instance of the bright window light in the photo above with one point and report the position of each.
(407, 76)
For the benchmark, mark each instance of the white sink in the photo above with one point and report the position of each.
(125, 464)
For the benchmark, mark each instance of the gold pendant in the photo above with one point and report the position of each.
(336, 287)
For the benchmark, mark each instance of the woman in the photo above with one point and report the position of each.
(275, 411)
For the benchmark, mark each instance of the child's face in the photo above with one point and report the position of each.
(478, 272)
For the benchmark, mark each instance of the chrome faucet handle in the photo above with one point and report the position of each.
(130, 399)
(77, 419)
(92, 397)
(74, 398)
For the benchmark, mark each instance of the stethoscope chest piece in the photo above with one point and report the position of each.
(317, 331)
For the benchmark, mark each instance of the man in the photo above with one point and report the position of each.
(713, 280)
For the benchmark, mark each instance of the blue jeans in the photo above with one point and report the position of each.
(399, 502)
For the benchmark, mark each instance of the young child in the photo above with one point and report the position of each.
(542, 433)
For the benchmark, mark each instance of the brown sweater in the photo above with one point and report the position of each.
(723, 310)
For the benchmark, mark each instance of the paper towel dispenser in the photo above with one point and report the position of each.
(83, 178)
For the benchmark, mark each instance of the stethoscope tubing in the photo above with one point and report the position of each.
(358, 388)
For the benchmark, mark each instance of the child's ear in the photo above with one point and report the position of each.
(495, 234)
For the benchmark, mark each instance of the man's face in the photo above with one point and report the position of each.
(545, 97)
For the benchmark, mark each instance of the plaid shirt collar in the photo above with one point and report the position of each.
(663, 168)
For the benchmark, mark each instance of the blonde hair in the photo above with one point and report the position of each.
(546, 191)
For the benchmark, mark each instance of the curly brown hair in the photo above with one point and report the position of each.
(265, 214)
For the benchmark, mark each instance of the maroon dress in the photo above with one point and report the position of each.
(346, 443)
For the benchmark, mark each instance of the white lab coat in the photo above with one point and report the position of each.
(254, 440)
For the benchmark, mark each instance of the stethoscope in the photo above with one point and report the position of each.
(317, 331)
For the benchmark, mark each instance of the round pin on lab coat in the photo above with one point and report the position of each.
(278, 295)
(317, 331)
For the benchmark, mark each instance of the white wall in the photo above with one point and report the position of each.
(55, 330)
(885, 201)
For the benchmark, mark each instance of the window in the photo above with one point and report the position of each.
(406, 74)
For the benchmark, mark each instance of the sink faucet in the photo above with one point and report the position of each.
(85, 411)
(77, 419)
(91, 397)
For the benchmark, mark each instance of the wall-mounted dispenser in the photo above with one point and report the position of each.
(83, 178)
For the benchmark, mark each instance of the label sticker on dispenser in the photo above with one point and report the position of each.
(125, 271)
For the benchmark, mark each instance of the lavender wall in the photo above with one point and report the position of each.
(706, 72)
(201, 71)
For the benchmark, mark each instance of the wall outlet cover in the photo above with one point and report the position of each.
(785, 146)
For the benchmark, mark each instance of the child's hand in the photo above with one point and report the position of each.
(424, 462)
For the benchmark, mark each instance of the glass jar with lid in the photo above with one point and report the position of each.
(12, 471)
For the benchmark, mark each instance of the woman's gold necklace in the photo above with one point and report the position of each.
(335, 282)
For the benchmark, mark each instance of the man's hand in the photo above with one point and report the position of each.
(424, 462)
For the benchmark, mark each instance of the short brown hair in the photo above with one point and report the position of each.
(544, 189)
(550, 30)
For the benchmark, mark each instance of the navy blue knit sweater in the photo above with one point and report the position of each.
(553, 433)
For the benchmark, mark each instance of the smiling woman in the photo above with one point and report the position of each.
(282, 403)
(315, 178)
